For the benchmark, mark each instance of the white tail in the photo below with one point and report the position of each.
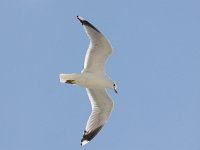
(65, 77)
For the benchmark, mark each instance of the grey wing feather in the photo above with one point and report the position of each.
(99, 48)
(101, 109)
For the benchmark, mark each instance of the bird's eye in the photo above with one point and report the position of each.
(114, 85)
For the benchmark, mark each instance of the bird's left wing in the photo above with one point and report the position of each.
(101, 109)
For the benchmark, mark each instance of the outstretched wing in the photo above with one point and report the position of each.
(101, 109)
(99, 48)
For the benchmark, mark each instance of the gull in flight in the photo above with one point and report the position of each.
(93, 77)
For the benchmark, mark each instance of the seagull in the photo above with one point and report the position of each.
(93, 77)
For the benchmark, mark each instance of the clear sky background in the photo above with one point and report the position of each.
(155, 63)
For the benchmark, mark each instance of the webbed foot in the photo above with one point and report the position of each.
(70, 81)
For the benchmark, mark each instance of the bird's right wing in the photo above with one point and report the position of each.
(99, 48)
(101, 109)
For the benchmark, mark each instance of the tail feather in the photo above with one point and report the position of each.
(66, 77)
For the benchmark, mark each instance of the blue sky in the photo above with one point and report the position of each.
(155, 63)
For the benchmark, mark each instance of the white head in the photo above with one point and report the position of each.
(115, 88)
(112, 85)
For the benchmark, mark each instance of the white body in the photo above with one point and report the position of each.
(88, 80)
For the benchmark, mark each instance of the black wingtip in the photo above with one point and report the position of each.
(80, 19)
(86, 23)
(88, 136)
